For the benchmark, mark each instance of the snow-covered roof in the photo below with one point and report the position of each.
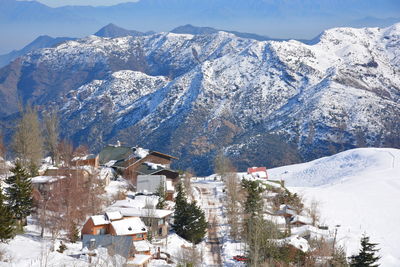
(140, 152)
(99, 220)
(139, 259)
(301, 219)
(86, 157)
(309, 230)
(142, 245)
(113, 215)
(110, 163)
(155, 166)
(298, 242)
(45, 179)
(286, 209)
(129, 226)
(137, 202)
(143, 213)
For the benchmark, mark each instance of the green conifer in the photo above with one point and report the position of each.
(367, 256)
(7, 223)
(19, 193)
(189, 220)
(161, 196)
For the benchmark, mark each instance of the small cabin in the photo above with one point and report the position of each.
(258, 172)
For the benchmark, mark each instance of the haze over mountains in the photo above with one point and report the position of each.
(278, 19)
(262, 102)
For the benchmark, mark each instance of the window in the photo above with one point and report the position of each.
(100, 231)
(139, 235)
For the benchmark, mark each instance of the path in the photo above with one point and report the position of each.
(211, 205)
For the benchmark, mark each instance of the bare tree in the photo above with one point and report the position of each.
(222, 164)
(190, 256)
(66, 152)
(52, 135)
(28, 141)
(187, 183)
(233, 199)
(95, 190)
(313, 211)
(3, 164)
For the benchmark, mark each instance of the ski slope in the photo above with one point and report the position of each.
(357, 189)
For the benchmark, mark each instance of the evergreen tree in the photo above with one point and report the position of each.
(74, 233)
(189, 220)
(19, 193)
(254, 203)
(367, 256)
(161, 196)
(7, 222)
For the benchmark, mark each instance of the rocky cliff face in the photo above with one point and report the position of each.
(191, 95)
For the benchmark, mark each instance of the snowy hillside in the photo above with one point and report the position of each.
(219, 90)
(359, 190)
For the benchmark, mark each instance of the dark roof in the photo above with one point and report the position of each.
(162, 155)
(118, 153)
(145, 169)
(121, 245)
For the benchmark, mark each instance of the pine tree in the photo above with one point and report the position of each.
(7, 223)
(253, 204)
(189, 220)
(366, 256)
(74, 233)
(161, 196)
(19, 193)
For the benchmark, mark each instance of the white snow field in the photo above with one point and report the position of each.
(357, 189)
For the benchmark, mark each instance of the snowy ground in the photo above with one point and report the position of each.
(357, 189)
(29, 250)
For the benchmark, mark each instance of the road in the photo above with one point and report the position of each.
(211, 205)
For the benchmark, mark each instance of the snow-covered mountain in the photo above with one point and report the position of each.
(265, 102)
(357, 189)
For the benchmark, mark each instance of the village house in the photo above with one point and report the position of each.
(299, 220)
(150, 184)
(258, 172)
(132, 162)
(88, 160)
(113, 223)
(144, 207)
(156, 220)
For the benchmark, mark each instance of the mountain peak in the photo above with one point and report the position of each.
(111, 30)
(191, 29)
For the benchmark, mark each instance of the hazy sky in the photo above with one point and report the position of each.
(58, 3)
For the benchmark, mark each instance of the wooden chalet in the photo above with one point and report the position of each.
(131, 162)
(113, 223)
(88, 160)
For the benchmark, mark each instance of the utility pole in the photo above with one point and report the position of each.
(334, 238)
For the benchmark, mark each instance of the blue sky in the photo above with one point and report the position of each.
(58, 3)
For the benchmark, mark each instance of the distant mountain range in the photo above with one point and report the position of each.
(112, 31)
(193, 95)
(40, 42)
(20, 22)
